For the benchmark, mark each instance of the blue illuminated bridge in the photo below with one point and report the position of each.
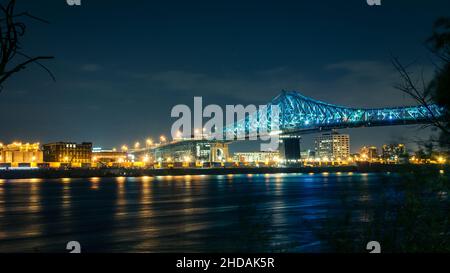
(291, 115)
(299, 115)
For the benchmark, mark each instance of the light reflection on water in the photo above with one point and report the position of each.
(66, 197)
(94, 183)
(193, 213)
(34, 204)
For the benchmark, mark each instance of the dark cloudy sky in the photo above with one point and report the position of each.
(122, 65)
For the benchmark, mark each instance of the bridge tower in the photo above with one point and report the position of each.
(290, 148)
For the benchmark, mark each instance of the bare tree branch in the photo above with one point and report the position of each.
(421, 96)
(11, 31)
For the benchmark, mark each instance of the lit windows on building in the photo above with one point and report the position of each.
(394, 152)
(68, 153)
(369, 153)
(256, 157)
(108, 157)
(193, 151)
(332, 146)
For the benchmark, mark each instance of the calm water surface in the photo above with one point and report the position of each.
(224, 213)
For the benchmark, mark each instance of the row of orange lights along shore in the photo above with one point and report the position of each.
(149, 143)
(162, 140)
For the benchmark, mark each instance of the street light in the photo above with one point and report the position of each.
(137, 145)
(149, 142)
(124, 148)
(163, 139)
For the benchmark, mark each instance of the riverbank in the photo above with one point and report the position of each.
(113, 172)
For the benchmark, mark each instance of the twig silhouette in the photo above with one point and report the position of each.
(11, 31)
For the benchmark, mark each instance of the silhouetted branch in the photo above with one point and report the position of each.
(11, 30)
(40, 64)
(421, 96)
(23, 65)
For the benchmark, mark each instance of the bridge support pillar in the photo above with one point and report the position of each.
(290, 149)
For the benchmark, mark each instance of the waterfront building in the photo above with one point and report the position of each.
(192, 151)
(256, 157)
(332, 146)
(109, 158)
(394, 153)
(369, 153)
(68, 153)
(307, 154)
(19, 154)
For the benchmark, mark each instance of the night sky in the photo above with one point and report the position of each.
(121, 66)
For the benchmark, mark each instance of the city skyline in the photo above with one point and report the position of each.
(329, 148)
(307, 142)
(348, 63)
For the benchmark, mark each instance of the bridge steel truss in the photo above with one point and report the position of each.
(300, 114)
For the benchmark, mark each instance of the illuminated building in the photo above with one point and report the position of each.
(192, 150)
(307, 154)
(20, 154)
(369, 153)
(108, 157)
(332, 146)
(256, 157)
(394, 152)
(68, 153)
(441, 160)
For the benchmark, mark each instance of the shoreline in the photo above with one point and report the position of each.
(119, 172)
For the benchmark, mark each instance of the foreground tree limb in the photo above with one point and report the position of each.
(11, 31)
(421, 95)
(437, 91)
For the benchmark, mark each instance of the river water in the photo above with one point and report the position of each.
(223, 213)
